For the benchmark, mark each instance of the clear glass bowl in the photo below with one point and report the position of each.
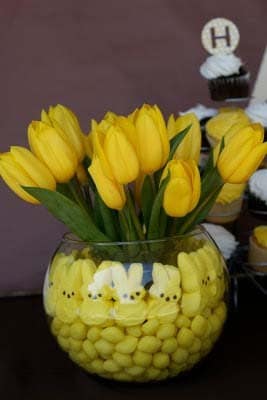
(137, 311)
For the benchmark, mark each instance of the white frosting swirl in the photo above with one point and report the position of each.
(257, 112)
(258, 184)
(201, 111)
(224, 239)
(220, 65)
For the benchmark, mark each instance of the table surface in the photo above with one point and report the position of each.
(33, 367)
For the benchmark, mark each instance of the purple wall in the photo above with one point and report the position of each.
(93, 56)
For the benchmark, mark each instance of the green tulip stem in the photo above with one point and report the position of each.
(75, 189)
(133, 215)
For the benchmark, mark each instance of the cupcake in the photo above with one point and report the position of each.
(228, 205)
(257, 112)
(224, 239)
(227, 77)
(257, 253)
(227, 120)
(257, 196)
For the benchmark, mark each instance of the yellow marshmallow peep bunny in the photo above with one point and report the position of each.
(69, 299)
(129, 308)
(53, 281)
(165, 293)
(97, 306)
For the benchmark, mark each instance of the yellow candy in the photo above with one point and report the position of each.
(176, 368)
(80, 357)
(93, 333)
(134, 331)
(221, 311)
(185, 337)
(78, 331)
(75, 345)
(64, 331)
(63, 343)
(149, 344)
(193, 358)
(125, 360)
(104, 347)
(152, 373)
(163, 375)
(142, 359)
(169, 345)
(135, 370)
(97, 365)
(166, 330)
(55, 326)
(215, 322)
(182, 321)
(196, 346)
(89, 349)
(111, 366)
(161, 360)
(199, 325)
(206, 345)
(122, 376)
(112, 334)
(127, 345)
(150, 327)
(180, 355)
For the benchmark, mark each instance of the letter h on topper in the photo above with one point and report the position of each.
(215, 37)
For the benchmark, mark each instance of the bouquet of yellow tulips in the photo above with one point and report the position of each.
(132, 177)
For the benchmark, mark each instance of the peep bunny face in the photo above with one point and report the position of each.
(128, 286)
(100, 287)
(166, 283)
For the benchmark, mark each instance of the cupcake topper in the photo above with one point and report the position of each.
(220, 36)
(260, 89)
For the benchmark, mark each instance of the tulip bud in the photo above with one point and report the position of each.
(51, 148)
(19, 167)
(189, 148)
(111, 192)
(66, 122)
(242, 154)
(182, 192)
(152, 143)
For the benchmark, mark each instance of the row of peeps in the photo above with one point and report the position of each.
(132, 293)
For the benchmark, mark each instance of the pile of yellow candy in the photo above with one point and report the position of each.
(110, 325)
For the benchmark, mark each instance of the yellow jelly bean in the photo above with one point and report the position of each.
(166, 330)
(193, 358)
(161, 360)
(206, 313)
(78, 331)
(169, 345)
(185, 337)
(182, 321)
(112, 334)
(89, 349)
(111, 366)
(196, 346)
(125, 360)
(141, 358)
(149, 344)
(55, 326)
(150, 327)
(79, 357)
(206, 345)
(93, 333)
(215, 322)
(221, 311)
(152, 373)
(63, 343)
(104, 347)
(75, 345)
(208, 331)
(176, 369)
(122, 376)
(97, 365)
(135, 370)
(180, 355)
(163, 375)
(65, 330)
(134, 331)
(199, 325)
(127, 345)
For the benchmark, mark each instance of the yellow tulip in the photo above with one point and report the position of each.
(66, 122)
(182, 192)
(189, 148)
(88, 145)
(111, 192)
(151, 140)
(51, 148)
(19, 167)
(242, 154)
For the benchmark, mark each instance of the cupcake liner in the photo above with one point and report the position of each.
(229, 87)
(257, 206)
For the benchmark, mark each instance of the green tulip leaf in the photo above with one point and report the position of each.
(70, 213)
(106, 217)
(176, 140)
(147, 198)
